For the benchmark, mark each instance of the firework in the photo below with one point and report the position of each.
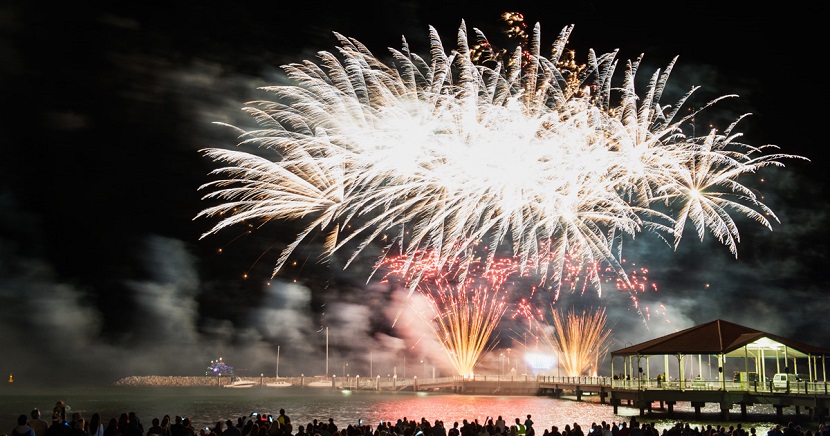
(579, 340)
(463, 319)
(465, 302)
(428, 264)
(443, 154)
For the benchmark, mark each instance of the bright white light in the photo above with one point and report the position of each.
(440, 154)
(540, 361)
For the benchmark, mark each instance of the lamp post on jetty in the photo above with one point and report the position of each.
(501, 365)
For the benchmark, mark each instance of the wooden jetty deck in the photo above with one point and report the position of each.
(645, 395)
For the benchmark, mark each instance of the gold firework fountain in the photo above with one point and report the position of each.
(463, 322)
(465, 301)
(579, 340)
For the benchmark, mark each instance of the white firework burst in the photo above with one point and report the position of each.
(440, 154)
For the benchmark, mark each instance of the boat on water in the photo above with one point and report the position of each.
(319, 384)
(241, 384)
(279, 384)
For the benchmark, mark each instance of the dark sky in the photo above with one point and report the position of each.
(102, 270)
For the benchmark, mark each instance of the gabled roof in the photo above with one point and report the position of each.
(721, 337)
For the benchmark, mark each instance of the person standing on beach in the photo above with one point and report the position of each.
(22, 428)
(134, 426)
(177, 429)
(165, 425)
(155, 428)
(58, 428)
(283, 418)
(112, 428)
(38, 425)
(79, 426)
(188, 427)
(520, 427)
(59, 412)
(231, 429)
(95, 427)
(501, 425)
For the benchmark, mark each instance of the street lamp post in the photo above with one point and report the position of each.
(425, 368)
(627, 372)
(501, 366)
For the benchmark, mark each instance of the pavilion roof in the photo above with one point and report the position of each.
(721, 337)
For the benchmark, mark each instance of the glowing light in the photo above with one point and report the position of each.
(579, 340)
(218, 367)
(529, 154)
(540, 361)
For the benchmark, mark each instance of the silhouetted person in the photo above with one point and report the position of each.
(177, 429)
(79, 426)
(134, 427)
(22, 428)
(112, 428)
(95, 427)
(231, 429)
(38, 425)
(59, 427)
(59, 412)
(155, 428)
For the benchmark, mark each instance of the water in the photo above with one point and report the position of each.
(206, 405)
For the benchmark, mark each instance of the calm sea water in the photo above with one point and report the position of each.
(205, 406)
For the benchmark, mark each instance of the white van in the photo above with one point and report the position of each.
(783, 381)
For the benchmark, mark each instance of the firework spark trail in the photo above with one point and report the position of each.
(429, 264)
(442, 154)
(579, 340)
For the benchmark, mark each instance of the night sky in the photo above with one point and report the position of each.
(102, 270)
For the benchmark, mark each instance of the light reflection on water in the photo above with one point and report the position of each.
(205, 406)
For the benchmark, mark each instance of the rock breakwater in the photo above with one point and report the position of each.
(162, 380)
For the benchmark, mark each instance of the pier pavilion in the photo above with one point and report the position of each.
(751, 356)
(743, 350)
